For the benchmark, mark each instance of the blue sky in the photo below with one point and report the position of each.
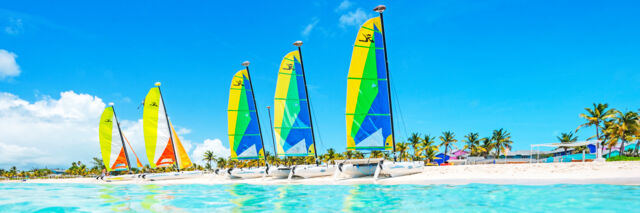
(530, 67)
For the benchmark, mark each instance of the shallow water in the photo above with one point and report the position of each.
(30, 197)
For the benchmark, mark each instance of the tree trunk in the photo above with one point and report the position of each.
(622, 148)
(444, 158)
(637, 144)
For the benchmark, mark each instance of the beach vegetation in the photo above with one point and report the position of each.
(567, 138)
(597, 117)
(208, 157)
(447, 139)
(502, 141)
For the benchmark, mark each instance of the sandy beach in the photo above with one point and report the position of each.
(621, 173)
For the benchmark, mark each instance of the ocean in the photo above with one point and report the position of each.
(32, 197)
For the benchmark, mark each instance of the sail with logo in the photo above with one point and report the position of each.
(368, 112)
(163, 145)
(244, 133)
(112, 142)
(369, 115)
(292, 128)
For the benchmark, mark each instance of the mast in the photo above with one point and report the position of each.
(306, 93)
(273, 140)
(126, 155)
(175, 151)
(255, 106)
(380, 9)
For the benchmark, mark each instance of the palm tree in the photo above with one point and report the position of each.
(376, 154)
(446, 140)
(208, 156)
(625, 127)
(402, 148)
(487, 145)
(472, 141)
(597, 116)
(426, 144)
(414, 140)
(331, 155)
(567, 138)
(97, 163)
(502, 140)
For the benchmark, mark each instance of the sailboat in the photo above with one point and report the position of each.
(369, 115)
(293, 125)
(112, 145)
(245, 135)
(162, 143)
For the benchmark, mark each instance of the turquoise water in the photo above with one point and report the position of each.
(28, 197)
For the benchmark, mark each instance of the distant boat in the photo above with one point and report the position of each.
(245, 135)
(369, 115)
(293, 125)
(112, 145)
(162, 143)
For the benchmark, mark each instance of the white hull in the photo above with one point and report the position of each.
(310, 171)
(118, 178)
(247, 173)
(172, 175)
(280, 172)
(359, 170)
(395, 169)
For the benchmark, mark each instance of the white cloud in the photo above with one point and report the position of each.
(307, 30)
(14, 27)
(49, 132)
(353, 18)
(214, 145)
(346, 4)
(8, 65)
(55, 132)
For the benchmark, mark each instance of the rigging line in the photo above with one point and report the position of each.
(397, 100)
(317, 127)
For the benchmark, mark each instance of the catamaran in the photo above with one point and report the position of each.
(112, 145)
(163, 145)
(293, 124)
(369, 115)
(245, 135)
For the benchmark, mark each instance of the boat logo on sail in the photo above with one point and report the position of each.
(154, 104)
(367, 38)
(108, 120)
(237, 83)
(289, 67)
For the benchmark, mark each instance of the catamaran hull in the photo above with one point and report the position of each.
(118, 178)
(247, 173)
(395, 169)
(172, 175)
(310, 171)
(358, 170)
(280, 173)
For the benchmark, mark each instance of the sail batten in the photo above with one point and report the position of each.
(243, 131)
(292, 123)
(368, 111)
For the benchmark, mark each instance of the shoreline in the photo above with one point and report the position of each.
(613, 173)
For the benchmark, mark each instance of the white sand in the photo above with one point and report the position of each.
(627, 173)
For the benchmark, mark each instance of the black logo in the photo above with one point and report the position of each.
(289, 67)
(367, 38)
(108, 120)
(154, 104)
(237, 83)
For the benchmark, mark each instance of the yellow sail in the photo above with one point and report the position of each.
(368, 111)
(159, 142)
(113, 153)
